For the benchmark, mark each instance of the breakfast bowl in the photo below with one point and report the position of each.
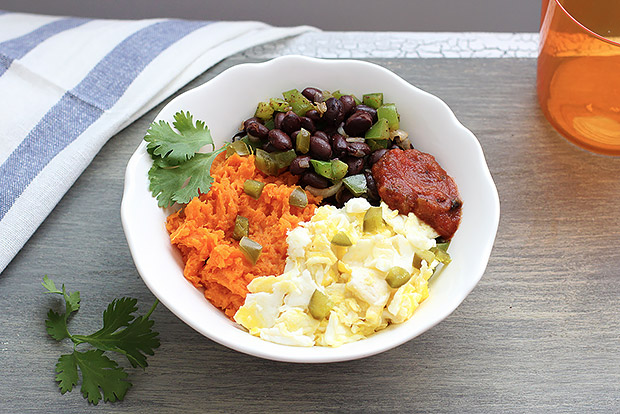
(231, 97)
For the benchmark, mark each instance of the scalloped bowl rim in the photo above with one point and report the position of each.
(436, 131)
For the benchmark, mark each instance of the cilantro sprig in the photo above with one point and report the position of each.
(122, 332)
(179, 172)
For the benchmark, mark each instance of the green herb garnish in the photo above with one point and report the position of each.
(179, 173)
(167, 182)
(122, 332)
(177, 147)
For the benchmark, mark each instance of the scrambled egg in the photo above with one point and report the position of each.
(353, 278)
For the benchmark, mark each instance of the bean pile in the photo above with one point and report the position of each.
(330, 140)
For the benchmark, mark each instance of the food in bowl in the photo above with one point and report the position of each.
(344, 273)
(331, 294)
(203, 230)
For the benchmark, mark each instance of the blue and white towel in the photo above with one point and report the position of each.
(69, 84)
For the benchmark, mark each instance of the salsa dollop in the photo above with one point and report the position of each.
(412, 181)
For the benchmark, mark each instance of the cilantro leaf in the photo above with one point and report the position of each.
(50, 285)
(56, 325)
(118, 314)
(174, 147)
(135, 340)
(67, 376)
(167, 183)
(72, 301)
(100, 374)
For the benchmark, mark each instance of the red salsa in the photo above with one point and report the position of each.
(412, 181)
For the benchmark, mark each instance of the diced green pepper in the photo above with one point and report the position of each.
(443, 246)
(279, 105)
(299, 103)
(397, 276)
(264, 111)
(356, 184)
(238, 147)
(341, 239)
(252, 145)
(242, 228)
(373, 219)
(441, 254)
(380, 130)
(323, 168)
(265, 162)
(253, 188)
(284, 159)
(388, 111)
(332, 170)
(272, 163)
(376, 144)
(298, 198)
(302, 141)
(374, 100)
(339, 169)
(320, 305)
(250, 249)
(425, 255)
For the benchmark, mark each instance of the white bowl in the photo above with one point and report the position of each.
(231, 97)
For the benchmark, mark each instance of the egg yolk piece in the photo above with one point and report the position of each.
(353, 278)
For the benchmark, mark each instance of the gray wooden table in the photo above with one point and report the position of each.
(540, 332)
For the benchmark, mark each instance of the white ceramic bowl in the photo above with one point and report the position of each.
(230, 98)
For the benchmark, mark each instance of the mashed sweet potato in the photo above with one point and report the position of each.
(203, 230)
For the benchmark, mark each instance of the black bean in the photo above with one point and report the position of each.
(358, 123)
(365, 108)
(313, 94)
(356, 165)
(331, 129)
(343, 195)
(249, 121)
(376, 155)
(293, 136)
(348, 103)
(314, 180)
(299, 165)
(268, 146)
(291, 122)
(358, 149)
(371, 185)
(308, 124)
(322, 135)
(339, 145)
(320, 148)
(333, 114)
(257, 130)
(280, 140)
(277, 119)
(314, 115)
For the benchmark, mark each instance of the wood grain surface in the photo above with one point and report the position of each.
(540, 333)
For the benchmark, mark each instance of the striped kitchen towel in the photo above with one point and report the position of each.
(69, 84)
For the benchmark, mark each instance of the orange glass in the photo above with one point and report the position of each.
(579, 71)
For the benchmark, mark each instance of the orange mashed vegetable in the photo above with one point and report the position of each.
(203, 230)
